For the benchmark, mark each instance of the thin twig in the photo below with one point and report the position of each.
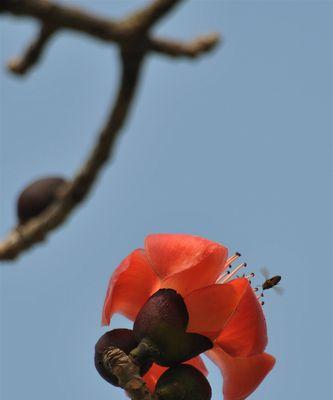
(134, 43)
(142, 20)
(66, 17)
(192, 49)
(33, 52)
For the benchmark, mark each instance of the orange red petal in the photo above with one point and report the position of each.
(241, 375)
(152, 376)
(185, 262)
(211, 307)
(129, 287)
(198, 364)
(245, 334)
(170, 254)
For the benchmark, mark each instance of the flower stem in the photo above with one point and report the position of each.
(146, 350)
(127, 372)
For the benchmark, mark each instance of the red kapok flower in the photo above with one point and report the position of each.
(221, 306)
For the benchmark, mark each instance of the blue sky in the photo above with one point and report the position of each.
(235, 147)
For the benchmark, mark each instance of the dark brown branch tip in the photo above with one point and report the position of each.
(33, 52)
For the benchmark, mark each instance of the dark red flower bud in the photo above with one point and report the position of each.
(124, 340)
(165, 306)
(183, 382)
(163, 320)
(36, 197)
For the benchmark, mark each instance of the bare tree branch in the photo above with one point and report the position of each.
(191, 49)
(142, 20)
(33, 52)
(76, 190)
(134, 44)
(73, 18)
(65, 17)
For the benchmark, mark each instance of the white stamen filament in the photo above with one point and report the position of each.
(260, 296)
(231, 259)
(233, 273)
(224, 274)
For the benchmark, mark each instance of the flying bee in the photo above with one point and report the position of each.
(271, 282)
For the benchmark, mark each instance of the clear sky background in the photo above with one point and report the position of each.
(235, 147)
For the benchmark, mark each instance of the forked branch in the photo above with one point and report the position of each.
(132, 36)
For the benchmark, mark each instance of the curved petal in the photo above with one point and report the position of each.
(152, 376)
(211, 307)
(172, 253)
(245, 334)
(241, 375)
(130, 286)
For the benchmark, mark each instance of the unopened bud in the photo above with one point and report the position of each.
(36, 197)
(163, 319)
(183, 382)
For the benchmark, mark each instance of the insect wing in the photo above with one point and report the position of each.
(279, 290)
(265, 272)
